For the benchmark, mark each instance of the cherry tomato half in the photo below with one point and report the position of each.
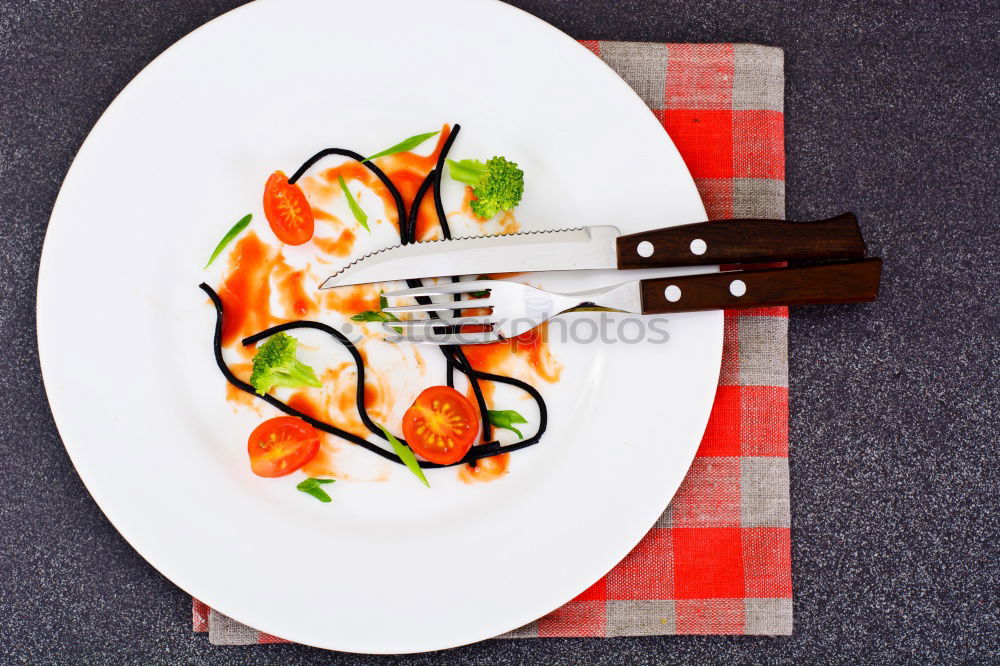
(287, 210)
(281, 445)
(441, 425)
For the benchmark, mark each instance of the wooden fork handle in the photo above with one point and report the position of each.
(742, 241)
(848, 282)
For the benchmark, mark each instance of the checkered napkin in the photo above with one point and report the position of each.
(718, 560)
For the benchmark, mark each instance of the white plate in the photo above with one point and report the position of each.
(124, 333)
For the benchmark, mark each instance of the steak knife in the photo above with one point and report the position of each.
(737, 241)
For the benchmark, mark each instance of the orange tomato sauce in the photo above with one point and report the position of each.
(338, 408)
(487, 469)
(506, 222)
(338, 246)
(350, 301)
(467, 198)
(235, 395)
(530, 347)
(246, 291)
(324, 464)
(292, 291)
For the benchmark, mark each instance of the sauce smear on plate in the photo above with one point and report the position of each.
(261, 288)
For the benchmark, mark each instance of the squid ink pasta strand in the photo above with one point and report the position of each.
(543, 413)
(449, 371)
(487, 427)
(476, 390)
(438, 172)
(396, 196)
(455, 352)
(411, 225)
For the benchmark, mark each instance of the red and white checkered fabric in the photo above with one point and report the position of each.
(719, 559)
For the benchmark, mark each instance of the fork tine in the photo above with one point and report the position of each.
(422, 324)
(442, 289)
(478, 338)
(443, 305)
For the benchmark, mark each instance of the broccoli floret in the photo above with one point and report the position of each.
(275, 365)
(497, 185)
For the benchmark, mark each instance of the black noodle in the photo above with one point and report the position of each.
(454, 356)
(411, 223)
(438, 171)
(396, 196)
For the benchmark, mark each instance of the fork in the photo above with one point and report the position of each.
(517, 308)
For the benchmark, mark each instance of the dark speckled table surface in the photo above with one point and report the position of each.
(891, 112)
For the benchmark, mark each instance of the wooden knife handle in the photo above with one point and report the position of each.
(743, 241)
(848, 282)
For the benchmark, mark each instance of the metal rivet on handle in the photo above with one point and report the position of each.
(698, 246)
(645, 249)
(672, 293)
(737, 288)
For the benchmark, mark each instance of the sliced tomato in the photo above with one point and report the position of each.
(281, 445)
(441, 425)
(287, 210)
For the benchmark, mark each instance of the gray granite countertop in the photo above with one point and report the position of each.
(890, 112)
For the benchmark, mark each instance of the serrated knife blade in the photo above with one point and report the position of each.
(567, 249)
(739, 241)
